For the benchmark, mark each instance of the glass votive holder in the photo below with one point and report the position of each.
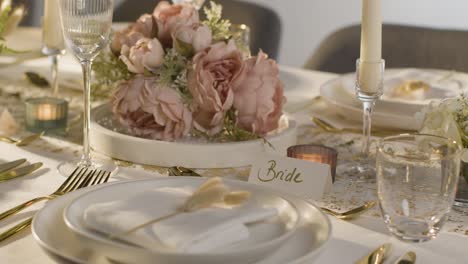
(46, 114)
(315, 153)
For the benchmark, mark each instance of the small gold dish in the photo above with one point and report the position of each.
(409, 87)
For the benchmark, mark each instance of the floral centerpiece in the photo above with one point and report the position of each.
(174, 76)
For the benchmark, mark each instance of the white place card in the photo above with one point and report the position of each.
(301, 178)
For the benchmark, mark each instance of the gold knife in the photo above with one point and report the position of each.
(407, 258)
(11, 165)
(19, 172)
(377, 256)
(29, 139)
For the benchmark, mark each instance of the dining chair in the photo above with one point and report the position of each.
(402, 46)
(264, 23)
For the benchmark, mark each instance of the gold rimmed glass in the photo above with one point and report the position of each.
(417, 175)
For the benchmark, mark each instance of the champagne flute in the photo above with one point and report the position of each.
(86, 26)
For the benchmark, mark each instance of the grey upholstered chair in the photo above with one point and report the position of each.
(264, 23)
(402, 46)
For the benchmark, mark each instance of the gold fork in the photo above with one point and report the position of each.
(93, 177)
(76, 179)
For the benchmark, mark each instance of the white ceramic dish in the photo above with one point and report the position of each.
(265, 236)
(384, 116)
(105, 139)
(442, 84)
(393, 112)
(52, 234)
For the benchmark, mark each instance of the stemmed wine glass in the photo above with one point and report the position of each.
(86, 27)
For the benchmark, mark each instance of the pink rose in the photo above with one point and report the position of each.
(170, 17)
(258, 98)
(145, 54)
(210, 82)
(197, 35)
(149, 109)
(143, 28)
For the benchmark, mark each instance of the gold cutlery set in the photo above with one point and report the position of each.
(379, 255)
(376, 132)
(79, 178)
(11, 170)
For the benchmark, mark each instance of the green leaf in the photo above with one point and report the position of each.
(183, 48)
(37, 79)
(220, 28)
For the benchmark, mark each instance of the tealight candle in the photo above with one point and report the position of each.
(46, 114)
(315, 153)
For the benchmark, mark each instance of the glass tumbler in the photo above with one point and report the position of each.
(417, 177)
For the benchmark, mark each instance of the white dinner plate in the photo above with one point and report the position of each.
(52, 234)
(265, 236)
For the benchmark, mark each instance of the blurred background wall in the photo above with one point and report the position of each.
(307, 22)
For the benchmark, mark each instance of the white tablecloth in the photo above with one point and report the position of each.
(349, 241)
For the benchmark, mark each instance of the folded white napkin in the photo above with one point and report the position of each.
(198, 231)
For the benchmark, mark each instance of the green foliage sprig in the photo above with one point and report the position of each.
(173, 73)
(220, 28)
(108, 70)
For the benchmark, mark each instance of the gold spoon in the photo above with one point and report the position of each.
(407, 258)
(181, 171)
(24, 141)
(351, 213)
(376, 132)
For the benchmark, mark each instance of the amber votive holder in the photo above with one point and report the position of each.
(46, 114)
(315, 153)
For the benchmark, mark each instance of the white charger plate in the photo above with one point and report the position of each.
(265, 236)
(59, 242)
(109, 138)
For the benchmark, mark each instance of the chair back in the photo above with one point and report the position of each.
(402, 46)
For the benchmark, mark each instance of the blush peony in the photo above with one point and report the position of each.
(145, 54)
(145, 27)
(258, 98)
(170, 17)
(197, 35)
(210, 81)
(149, 109)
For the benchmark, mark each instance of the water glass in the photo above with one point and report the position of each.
(417, 177)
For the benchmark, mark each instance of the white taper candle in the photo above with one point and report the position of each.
(52, 30)
(371, 45)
